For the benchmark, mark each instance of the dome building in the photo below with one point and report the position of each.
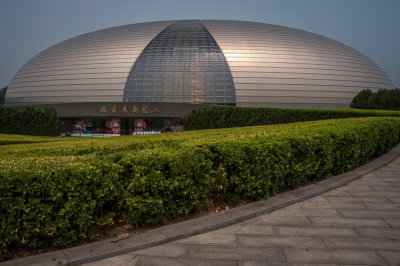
(163, 70)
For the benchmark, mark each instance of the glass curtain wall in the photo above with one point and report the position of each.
(182, 64)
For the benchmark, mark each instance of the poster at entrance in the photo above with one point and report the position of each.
(82, 126)
(79, 126)
(113, 126)
(141, 125)
(173, 125)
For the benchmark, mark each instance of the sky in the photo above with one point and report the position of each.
(30, 26)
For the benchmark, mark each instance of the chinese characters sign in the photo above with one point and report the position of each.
(126, 109)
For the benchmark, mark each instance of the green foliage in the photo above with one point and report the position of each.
(361, 99)
(28, 121)
(226, 117)
(59, 192)
(3, 95)
(164, 183)
(6, 139)
(382, 99)
(55, 200)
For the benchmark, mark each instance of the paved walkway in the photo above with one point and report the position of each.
(358, 223)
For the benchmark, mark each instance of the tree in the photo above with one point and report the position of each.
(361, 99)
(3, 95)
(28, 121)
(382, 99)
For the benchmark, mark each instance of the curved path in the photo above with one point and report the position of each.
(353, 218)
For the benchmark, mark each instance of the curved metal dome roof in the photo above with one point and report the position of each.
(198, 61)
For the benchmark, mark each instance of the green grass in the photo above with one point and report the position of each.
(48, 146)
(6, 139)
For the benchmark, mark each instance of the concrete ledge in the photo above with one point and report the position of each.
(117, 246)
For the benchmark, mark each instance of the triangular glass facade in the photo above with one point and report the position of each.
(182, 64)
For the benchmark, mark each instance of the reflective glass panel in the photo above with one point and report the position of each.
(183, 61)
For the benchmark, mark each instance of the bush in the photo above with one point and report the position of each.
(28, 121)
(55, 201)
(50, 195)
(164, 183)
(227, 117)
(382, 99)
(361, 99)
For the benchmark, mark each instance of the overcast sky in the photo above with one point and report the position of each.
(30, 26)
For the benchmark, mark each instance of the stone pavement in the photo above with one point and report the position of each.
(357, 224)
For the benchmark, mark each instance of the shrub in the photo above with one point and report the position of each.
(226, 117)
(52, 195)
(28, 121)
(55, 201)
(164, 183)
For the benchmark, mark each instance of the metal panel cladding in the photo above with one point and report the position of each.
(89, 68)
(270, 65)
(276, 66)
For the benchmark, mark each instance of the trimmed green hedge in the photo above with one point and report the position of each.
(55, 196)
(226, 117)
(28, 121)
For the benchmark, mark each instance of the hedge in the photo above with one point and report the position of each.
(28, 121)
(226, 117)
(62, 197)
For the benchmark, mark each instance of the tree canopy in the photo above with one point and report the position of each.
(382, 99)
(2, 95)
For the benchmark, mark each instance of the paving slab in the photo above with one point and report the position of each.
(122, 260)
(210, 238)
(351, 187)
(391, 257)
(356, 243)
(348, 222)
(393, 222)
(317, 231)
(395, 200)
(395, 194)
(384, 206)
(362, 182)
(160, 261)
(319, 256)
(244, 228)
(357, 199)
(298, 211)
(333, 205)
(342, 193)
(166, 250)
(389, 213)
(379, 232)
(389, 188)
(236, 253)
(281, 220)
(268, 263)
(279, 241)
